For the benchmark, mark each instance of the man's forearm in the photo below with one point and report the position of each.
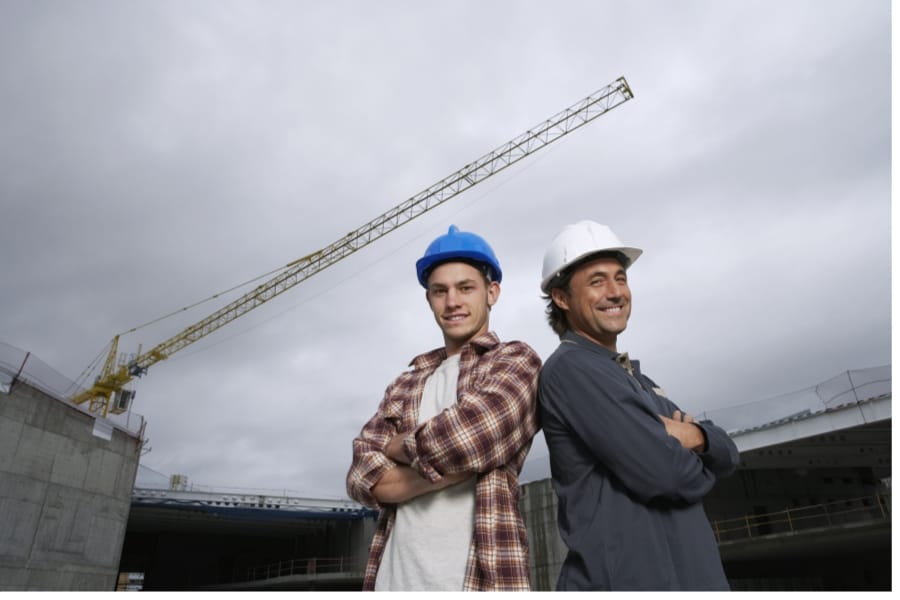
(403, 483)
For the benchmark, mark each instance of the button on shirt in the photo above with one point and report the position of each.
(630, 496)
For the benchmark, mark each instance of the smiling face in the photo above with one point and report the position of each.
(597, 301)
(461, 301)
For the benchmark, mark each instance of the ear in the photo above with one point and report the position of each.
(560, 298)
(493, 293)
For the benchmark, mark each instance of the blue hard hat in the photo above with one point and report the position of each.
(458, 245)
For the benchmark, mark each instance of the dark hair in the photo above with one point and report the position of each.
(556, 316)
(485, 269)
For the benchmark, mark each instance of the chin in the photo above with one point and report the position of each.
(459, 336)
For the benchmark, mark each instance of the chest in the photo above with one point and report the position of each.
(649, 396)
(440, 390)
(428, 392)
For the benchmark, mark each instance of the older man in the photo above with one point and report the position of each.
(629, 466)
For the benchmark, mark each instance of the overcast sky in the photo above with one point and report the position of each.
(154, 153)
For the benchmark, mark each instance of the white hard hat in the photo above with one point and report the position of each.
(579, 241)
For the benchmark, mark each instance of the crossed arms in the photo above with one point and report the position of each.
(655, 456)
(403, 483)
(395, 459)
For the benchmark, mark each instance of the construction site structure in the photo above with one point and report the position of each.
(108, 393)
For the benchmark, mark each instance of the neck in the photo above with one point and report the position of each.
(608, 341)
(453, 346)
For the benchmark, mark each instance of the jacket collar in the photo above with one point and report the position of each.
(576, 338)
(633, 366)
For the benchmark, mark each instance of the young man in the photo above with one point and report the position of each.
(629, 466)
(442, 455)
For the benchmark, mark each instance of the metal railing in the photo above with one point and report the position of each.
(846, 389)
(836, 513)
(17, 366)
(303, 566)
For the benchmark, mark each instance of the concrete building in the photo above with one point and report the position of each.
(66, 480)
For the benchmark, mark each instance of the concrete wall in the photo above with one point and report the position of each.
(64, 495)
(546, 549)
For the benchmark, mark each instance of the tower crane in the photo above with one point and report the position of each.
(108, 393)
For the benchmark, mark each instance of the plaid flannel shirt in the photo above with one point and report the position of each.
(488, 431)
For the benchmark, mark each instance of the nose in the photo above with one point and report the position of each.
(615, 290)
(453, 297)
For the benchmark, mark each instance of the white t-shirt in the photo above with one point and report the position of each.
(428, 548)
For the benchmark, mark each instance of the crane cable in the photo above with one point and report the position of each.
(93, 365)
(511, 176)
(199, 302)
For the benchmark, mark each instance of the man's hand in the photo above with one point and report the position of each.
(394, 449)
(681, 427)
(682, 416)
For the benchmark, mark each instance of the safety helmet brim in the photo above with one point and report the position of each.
(577, 243)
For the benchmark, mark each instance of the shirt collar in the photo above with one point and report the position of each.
(479, 345)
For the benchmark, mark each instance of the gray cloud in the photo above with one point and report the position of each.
(155, 153)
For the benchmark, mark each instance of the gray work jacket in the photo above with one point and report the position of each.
(630, 509)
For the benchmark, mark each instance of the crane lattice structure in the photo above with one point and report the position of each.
(107, 394)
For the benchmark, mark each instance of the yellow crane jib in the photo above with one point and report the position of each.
(106, 395)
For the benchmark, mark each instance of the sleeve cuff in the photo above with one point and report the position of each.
(379, 465)
(705, 438)
(422, 467)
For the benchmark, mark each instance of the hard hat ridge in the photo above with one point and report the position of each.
(457, 245)
(577, 242)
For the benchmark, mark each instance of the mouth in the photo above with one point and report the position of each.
(612, 311)
(454, 318)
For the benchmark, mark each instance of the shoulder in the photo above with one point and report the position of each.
(512, 355)
(572, 362)
(427, 361)
(419, 368)
(571, 355)
(489, 347)
(560, 355)
(516, 347)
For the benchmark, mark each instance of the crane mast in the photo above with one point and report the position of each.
(107, 393)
